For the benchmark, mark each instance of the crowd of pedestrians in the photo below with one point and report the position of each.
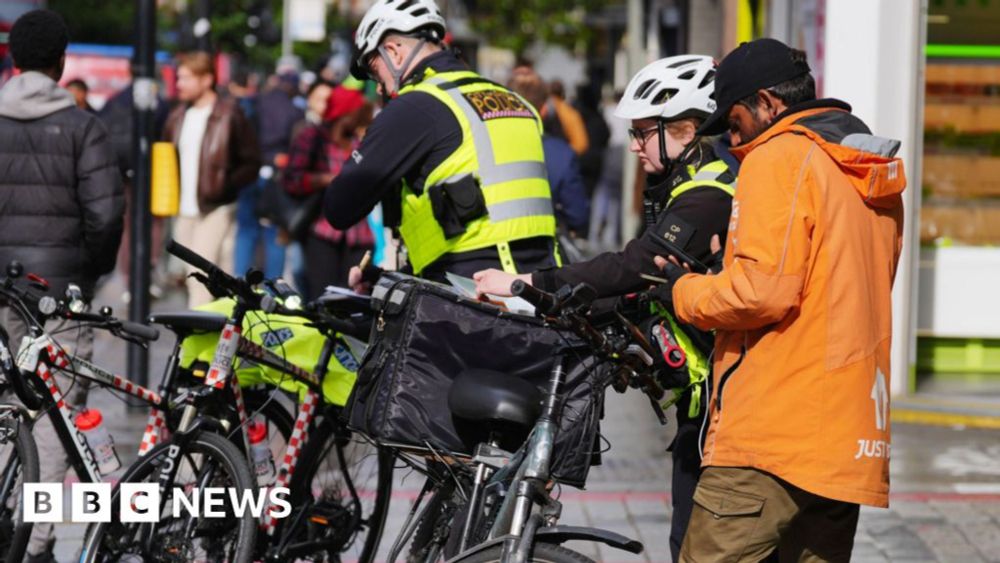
(241, 143)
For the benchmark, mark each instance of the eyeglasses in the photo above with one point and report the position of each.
(641, 135)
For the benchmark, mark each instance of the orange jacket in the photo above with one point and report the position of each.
(803, 308)
(571, 123)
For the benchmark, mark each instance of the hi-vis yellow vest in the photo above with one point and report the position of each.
(502, 147)
(698, 365)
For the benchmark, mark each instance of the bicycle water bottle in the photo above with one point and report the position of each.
(260, 452)
(98, 439)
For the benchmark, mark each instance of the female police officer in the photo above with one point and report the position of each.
(689, 200)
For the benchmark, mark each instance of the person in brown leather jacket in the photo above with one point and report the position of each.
(218, 154)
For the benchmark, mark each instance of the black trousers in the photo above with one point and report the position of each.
(685, 454)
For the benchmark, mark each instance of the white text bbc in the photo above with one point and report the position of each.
(140, 502)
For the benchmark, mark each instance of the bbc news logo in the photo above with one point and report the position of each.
(140, 502)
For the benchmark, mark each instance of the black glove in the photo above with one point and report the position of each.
(664, 293)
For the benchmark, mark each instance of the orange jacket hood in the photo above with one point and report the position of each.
(867, 160)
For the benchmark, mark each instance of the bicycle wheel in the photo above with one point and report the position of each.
(540, 553)
(19, 459)
(208, 460)
(339, 495)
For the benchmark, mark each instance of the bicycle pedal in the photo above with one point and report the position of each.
(328, 514)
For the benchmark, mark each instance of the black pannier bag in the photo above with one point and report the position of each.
(426, 334)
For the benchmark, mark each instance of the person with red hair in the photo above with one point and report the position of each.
(317, 154)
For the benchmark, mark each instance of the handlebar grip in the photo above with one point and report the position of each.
(543, 302)
(340, 325)
(191, 257)
(140, 330)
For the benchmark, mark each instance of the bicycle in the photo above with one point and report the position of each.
(40, 357)
(20, 466)
(499, 506)
(330, 513)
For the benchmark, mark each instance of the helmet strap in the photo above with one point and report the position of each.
(398, 72)
(668, 164)
(686, 153)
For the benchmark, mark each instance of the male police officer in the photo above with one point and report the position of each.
(455, 159)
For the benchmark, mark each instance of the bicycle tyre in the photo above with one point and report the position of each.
(96, 542)
(421, 546)
(14, 531)
(540, 553)
(310, 463)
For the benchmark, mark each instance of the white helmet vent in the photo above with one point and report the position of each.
(663, 96)
(646, 89)
(709, 78)
(682, 62)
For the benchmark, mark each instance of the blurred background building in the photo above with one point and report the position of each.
(923, 71)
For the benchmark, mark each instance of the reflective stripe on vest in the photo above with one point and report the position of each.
(504, 153)
(707, 175)
(697, 364)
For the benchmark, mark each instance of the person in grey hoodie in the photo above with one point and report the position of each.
(61, 204)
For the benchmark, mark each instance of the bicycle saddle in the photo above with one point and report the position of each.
(188, 322)
(481, 395)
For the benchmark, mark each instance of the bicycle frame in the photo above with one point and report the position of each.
(43, 357)
(233, 345)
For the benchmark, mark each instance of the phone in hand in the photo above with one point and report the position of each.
(672, 234)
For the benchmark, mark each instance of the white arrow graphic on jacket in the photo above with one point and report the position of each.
(880, 397)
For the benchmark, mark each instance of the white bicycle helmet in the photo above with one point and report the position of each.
(670, 89)
(403, 16)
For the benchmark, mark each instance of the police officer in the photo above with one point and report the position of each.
(690, 197)
(456, 160)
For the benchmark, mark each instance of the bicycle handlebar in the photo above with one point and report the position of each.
(271, 305)
(569, 306)
(544, 303)
(193, 258)
(138, 330)
(215, 278)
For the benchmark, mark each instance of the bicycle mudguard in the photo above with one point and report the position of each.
(558, 535)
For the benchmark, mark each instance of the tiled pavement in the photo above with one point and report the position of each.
(946, 482)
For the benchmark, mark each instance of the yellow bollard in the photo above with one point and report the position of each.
(165, 192)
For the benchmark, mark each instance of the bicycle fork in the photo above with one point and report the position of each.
(530, 486)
